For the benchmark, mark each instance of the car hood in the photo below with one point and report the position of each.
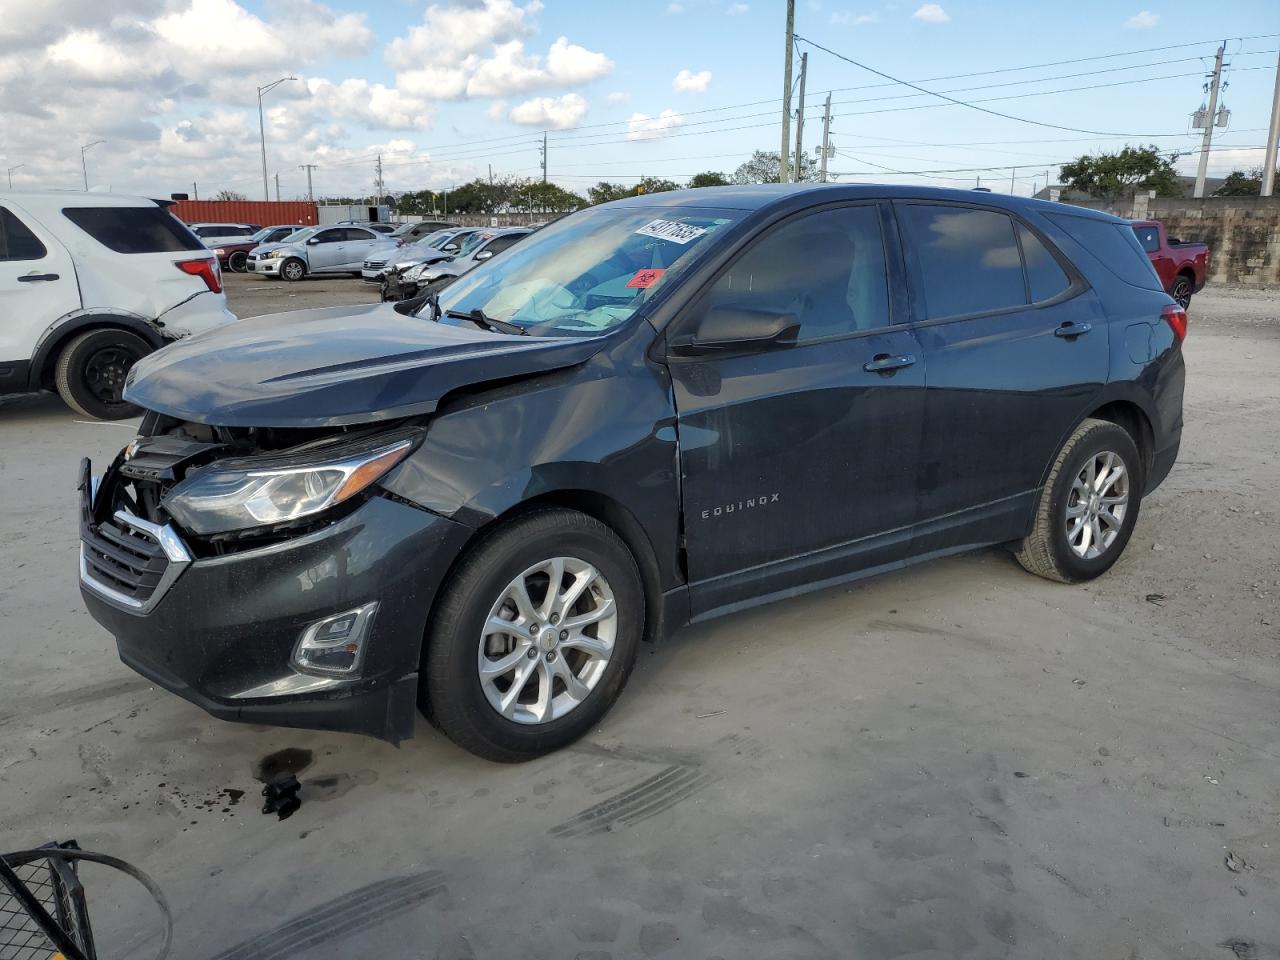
(262, 248)
(334, 366)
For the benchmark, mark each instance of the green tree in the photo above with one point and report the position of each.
(229, 195)
(604, 191)
(710, 178)
(765, 166)
(653, 185)
(1113, 175)
(1241, 184)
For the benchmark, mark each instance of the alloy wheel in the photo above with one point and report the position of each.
(1097, 504)
(547, 641)
(1182, 292)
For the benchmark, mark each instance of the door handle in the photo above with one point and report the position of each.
(887, 363)
(1071, 330)
(32, 277)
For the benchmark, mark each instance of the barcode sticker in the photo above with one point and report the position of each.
(672, 230)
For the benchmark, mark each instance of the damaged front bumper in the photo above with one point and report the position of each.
(225, 632)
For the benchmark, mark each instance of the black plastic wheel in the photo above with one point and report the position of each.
(1181, 290)
(238, 262)
(91, 371)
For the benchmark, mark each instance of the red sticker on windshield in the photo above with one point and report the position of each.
(645, 278)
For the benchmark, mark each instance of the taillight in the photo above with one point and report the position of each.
(207, 270)
(1176, 318)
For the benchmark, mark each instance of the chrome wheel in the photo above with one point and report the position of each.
(1097, 504)
(292, 270)
(547, 640)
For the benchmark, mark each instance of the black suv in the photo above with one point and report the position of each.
(648, 413)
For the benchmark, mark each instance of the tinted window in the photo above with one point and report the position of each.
(498, 244)
(1149, 237)
(1045, 276)
(828, 269)
(1114, 246)
(17, 242)
(968, 259)
(330, 236)
(134, 229)
(353, 234)
(277, 235)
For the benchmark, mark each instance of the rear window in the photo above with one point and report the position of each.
(17, 242)
(134, 229)
(1149, 237)
(1114, 246)
(1045, 277)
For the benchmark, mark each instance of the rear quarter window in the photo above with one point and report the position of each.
(134, 229)
(1113, 245)
(17, 242)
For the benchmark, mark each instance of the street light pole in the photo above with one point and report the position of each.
(10, 172)
(84, 167)
(262, 131)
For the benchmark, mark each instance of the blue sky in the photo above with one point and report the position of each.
(625, 90)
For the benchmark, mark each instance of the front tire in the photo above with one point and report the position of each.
(514, 670)
(1088, 507)
(91, 371)
(238, 262)
(293, 270)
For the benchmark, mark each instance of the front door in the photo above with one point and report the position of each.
(324, 250)
(798, 462)
(1016, 349)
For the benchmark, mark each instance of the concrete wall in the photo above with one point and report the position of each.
(1243, 233)
(487, 219)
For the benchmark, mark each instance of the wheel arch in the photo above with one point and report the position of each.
(51, 342)
(1125, 410)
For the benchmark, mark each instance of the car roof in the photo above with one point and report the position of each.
(83, 198)
(763, 196)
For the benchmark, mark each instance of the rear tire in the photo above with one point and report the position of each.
(1181, 290)
(1087, 510)
(238, 262)
(91, 371)
(555, 694)
(293, 270)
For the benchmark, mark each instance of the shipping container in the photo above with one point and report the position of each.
(265, 213)
(341, 212)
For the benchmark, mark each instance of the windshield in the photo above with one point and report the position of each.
(298, 236)
(588, 273)
(472, 241)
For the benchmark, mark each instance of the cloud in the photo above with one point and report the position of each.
(371, 104)
(844, 18)
(643, 127)
(618, 97)
(511, 70)
(686, 81)
(556, 113)
(931, 13)
(449, 34)
(675, 9)
(1142, 20)
(737, 9)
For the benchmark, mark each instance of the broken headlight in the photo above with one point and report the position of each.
(241, 494)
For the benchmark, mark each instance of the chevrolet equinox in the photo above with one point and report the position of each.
(649, 413)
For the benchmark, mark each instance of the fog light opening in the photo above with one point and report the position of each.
(335, 645)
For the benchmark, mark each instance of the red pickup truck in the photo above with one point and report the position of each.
(1182, 267)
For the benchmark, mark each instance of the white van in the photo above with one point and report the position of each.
(90, 283)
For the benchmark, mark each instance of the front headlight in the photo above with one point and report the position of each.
(219, 252)
(272, 254)
(414, 273)
(240, 494)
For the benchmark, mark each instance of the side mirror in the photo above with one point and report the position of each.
(449, 248)
(484, 255)
(731, 329)
(313, 241)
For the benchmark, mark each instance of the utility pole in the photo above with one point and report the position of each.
(262, 130)
(804, 74)
(10, 171)
(784, 173)
(1011, 173)
(84, 167)
(826, 136)
(1208, 122)
(1273, 134)
(277, 186)
(491, 174)
(381, 191)
(309, 167)
(195, 191)
(544, 156)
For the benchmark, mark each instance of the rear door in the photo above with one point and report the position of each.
(359, 243)
(798, 463)
(37, 286)
(1015, 345)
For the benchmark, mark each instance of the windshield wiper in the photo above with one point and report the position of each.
(484, 322)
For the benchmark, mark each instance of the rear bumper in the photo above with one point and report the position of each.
(223, 633)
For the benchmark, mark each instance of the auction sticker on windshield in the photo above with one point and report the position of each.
(645, 279)
(672, 230)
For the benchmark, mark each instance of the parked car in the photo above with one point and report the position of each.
(318, 250)
(89, 284)
(430, 249)
(1181, 266)
(479, 247)
(234, 254)
(375, 225)
(221, 231)
(650, 412)
(416, 230)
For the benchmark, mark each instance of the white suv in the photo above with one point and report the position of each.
(90, 283)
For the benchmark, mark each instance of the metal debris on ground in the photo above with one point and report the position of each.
(282, 797)
(1157, 598)
(1236, 864)
(713, 713)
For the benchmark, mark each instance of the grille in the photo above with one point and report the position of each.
(128, 561)
(55, 885)
(374, 264)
